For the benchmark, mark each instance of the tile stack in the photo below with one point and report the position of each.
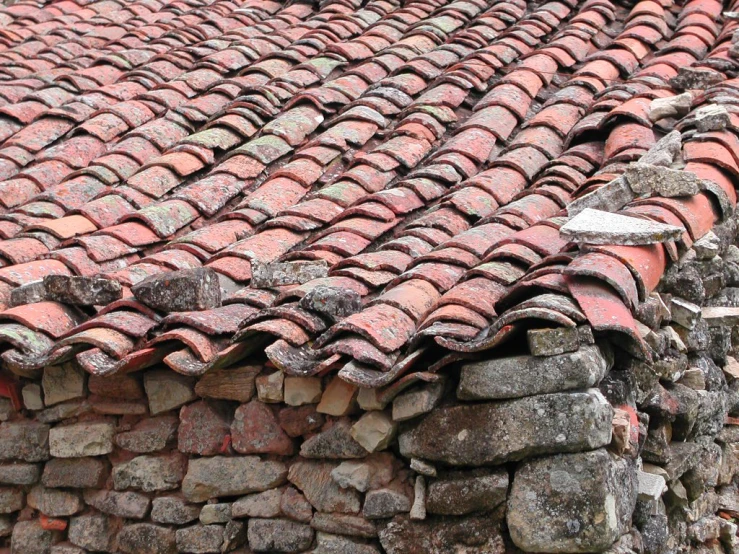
(369, 276)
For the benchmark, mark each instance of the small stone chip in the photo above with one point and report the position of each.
(278, 274)
(598, 227)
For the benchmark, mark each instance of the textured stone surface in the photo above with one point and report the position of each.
(374, 431)
(418, 402)
(11, 500)
(82, 291)
(255, 430)
(385, 503)
(62, 383)
(279, 535)
(336, 544)
(94, 532)
(149, 435)
(519, 376)
(315, 481)
(180, 291)
(200, 539)
(150, 473)
(571, 503)
(344, 524)
(54, 502)
(261, 504)
(30, 538)
(672, 106)
(339, 398)
(470, 535)
(173, 510)
(278, 274)
(332, 302)
(493, 433)
(19, 474)
(302, 390)
(551, 342)
(203, 428)
(461, 493)
(220, 476)
(662, 181)
(335, 442)
(24, 440)
(234, 383)
(610, 197)
(711, 117)
(129, 504)
(81, 439)
(601, 227)
(145, 538)
(167, 390)
(77, 473)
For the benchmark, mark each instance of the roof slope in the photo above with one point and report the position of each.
(426, 150)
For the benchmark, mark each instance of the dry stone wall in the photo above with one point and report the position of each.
(577, 445)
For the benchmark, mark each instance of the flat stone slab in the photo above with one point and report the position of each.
(278, 274)
(610, 197)
(717, 316)
(670, 183)
(519, 376)
(598, 227)
(571, 503)
(498, 432)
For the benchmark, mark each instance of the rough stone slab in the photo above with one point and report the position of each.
(551, 342)
(11, 500)
(81, 439)
(82, 291)
(672, 106)
(519, 376)
(650, 485)
(94, 532)
(215, 513)
(278, 274)
(460, 493)
(180, 291)
(494, 433)
(689, 78)
(230, 476)
(665, 152)
(417, 402)
(469, 535)
(344, 524)
(129, 504)
(54, 502)
(599, 227)
(200, 539)
(712, 117)
(662, 181)
(571, 503)
(30, 293)
(260, 504)
(149, 435)
(610, 197)
(332, 302)
(336, 544)
(315, 481)
(145, 538)
(279, 535)
(385, 503)
(374, 431)
(19, 474)
(173, 510)
(150, 473)
(717, 316)
(32, 397)
(418, 509)
(30, 538)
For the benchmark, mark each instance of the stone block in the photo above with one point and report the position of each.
(180, 291)
(261, 504)
(230, 476)
(82, 291)
(460, 493)
(81, 439)
(76, 473)
(203, 428)
(149, 435)
(234, 383)
(200, 539)
(374, 431)
(339, 398)
(173, 510)
(302, 390)
(150, 473)
(417, 402)
(30, 538)
(54, 502)
(315, 481)
(145, 538)
(62, 383)
(27, 441)
(270, 387)
(278, 535)
(255, 430)
(19, 474)
(167, 390)
(94, 532)
(129, 504)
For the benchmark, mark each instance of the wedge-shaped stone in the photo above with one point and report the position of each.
(221, 476)
(519, 376)
(495, 433)
(571, 503)
(598, 227)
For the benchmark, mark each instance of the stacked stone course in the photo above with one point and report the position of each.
(582, 447)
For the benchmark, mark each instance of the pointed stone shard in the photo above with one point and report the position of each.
(180, 291)
(663, 181)
(597, 227)
(82, 291)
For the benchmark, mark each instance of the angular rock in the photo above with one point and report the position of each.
(19, 474)
(610, 197)
(215, 513)
(221, 476)
(493, 433)
(180, 291)
(270, 387)
(519, 376)
(717, 316)
(150, 473)
(336, 442)
(662, 181)
(167, 390)
(30, 538)
(173, 510)
(82, 291)
(374, 431)
(599, 227)
(261, 504)
(200, 539)
(336, 544)
(203, 428)
(417, 402)
(665, 152)
(571, 503)
(11, 500)
(689, 78)
(300, 420)
(650, 486)
(712, 117)
(81, 439)
(278, 535)
(62, 383)
(149, 435)
(375, 471)
(32, 397)
(460, 493)
(385, 503)
(277, 274)
(255, 430)
(295, 506)
(672, 106)
(684, 313)
(234, 535)
(130, 505)
(145, 538)
(332, 302)
(54, 502)
(344, 524)
(339, 398)
(302, 390)
(707, 247)
(234, 383)
(94, 532)
(30, 293)
(314, 480)
(551, 342)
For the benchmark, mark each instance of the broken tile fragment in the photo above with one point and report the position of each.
(598, 227)
(662, 181)
(180, 291)
(278, 274)
(82, 291)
